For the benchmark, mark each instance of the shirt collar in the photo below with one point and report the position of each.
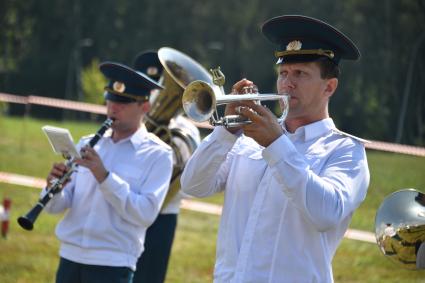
(312, 130)
(136, 138)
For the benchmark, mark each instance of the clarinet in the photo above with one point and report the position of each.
(27, 221)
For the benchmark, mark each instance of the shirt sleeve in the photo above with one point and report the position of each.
(212, 159)
(329, 196)
(140, 206)
(63, 200)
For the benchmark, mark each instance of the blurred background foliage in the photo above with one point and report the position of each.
(52, 47)
(92, 82)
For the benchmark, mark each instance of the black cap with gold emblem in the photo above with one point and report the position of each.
(305, 39)
(125, 84)
(148, 63)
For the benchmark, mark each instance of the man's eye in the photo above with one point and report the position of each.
(301, 73)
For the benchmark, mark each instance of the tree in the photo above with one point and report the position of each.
(47, 44)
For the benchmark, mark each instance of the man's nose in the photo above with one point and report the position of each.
(286, 83)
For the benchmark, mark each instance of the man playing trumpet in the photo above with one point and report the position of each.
(290, 189)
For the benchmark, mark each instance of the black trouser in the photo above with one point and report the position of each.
(73, 272)
(152, 264)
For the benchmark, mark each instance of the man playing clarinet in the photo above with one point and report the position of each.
(117, 191)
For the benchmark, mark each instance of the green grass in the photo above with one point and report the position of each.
(32, 256)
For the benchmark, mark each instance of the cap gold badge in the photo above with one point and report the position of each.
(118, 87)
(152, 71)
(294, 45)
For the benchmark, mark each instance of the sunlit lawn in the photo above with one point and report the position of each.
(32, 256)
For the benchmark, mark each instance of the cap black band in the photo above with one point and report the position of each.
(135, 97)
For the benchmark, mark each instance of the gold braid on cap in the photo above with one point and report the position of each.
(328, 53)
(135, 97)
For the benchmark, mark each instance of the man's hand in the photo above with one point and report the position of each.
(57, 171)
(238, 88)
(92, 161)
(264, 128)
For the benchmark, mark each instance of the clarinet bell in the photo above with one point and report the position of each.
(27, 221)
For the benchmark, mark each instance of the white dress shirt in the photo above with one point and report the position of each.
(105, 223)
(286, 207)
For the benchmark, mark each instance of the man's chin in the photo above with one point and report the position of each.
(293, 102)
(115, 124)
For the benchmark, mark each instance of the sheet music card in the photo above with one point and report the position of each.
(61, 141)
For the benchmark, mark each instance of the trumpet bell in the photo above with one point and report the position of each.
(400, 228)
(199, 101)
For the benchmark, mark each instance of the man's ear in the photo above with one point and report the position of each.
(331, 85)
(146, 107)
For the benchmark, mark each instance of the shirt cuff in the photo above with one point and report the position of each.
(278, 149)
(112, 184)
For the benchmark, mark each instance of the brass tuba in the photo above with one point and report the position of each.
(179, 71)
(400, 228)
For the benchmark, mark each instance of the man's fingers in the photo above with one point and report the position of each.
(58, 169)
(237, 87)
(260, 109)
(255, 111)
(88, 153)
(249, 113)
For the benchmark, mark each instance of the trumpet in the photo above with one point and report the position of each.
(27, 221)
(200, 100)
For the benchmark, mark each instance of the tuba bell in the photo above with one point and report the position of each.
(400, 228)
(179, 71)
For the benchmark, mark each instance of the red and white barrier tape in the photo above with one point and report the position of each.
(101, 109)
(22, 180)
(396, 148)
(54, 102)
